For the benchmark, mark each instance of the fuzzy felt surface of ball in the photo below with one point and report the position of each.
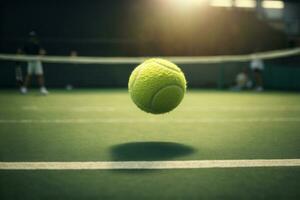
(157, 86)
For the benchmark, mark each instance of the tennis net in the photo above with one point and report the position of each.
(282, 70)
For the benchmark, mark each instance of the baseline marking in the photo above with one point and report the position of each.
(191, 164)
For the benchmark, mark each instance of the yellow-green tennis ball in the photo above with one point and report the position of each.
(157, 86)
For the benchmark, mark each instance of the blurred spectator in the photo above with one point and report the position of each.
(33, 47)
(257, 66)
(18, 70)
(73, 53)
(242, 80)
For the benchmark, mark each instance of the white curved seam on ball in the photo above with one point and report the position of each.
(166, 66)
(152, 98)
(137, 76)
(134, 81)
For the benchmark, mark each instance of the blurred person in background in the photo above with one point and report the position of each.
(257, 66)
(33, 48)
(73, 54)
(242, 81)
(18, 70)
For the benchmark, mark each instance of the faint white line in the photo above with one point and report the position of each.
(31, 108)
(192, 164)
(151, 120)
(93, 109)
(185, 109)
(240, 108)
(74, 109)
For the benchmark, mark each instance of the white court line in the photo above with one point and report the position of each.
(191, 164)
(185, 109)
(150, 120)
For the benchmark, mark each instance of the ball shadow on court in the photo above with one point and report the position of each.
(149, 151)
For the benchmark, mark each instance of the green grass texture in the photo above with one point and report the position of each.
(207, 125)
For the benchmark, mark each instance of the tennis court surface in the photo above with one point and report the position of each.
(96, 144)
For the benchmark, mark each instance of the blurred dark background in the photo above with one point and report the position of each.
(149, 28)
(146, 27)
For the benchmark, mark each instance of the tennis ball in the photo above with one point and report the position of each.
(157, 86)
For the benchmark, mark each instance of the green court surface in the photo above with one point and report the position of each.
(104, 125)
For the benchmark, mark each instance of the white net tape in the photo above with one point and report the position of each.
(130, 60)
